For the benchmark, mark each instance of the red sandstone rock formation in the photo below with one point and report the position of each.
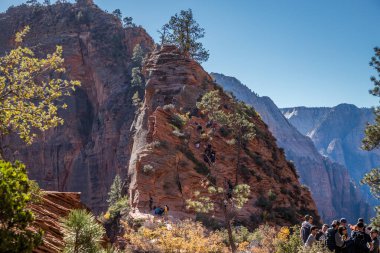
(48, 213)
(163, 163)
(85, 153)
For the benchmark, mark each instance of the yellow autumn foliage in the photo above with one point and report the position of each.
(31, 90)
(185, 237)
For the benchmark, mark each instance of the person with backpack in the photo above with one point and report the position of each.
(343, 242)
(331, 235)
(375, 241)
(362, 241)
(306, 228)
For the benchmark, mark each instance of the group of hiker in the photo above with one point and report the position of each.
(336, 237)
(158, 210)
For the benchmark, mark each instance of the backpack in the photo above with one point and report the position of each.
(330, 239)
(305, 232)
(360, 242)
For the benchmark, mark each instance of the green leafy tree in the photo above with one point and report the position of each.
(32, 2)
(117, 13)
(137, 61)
(183, 31)
(31, 90)
(82, 233)
(372, 138)
(15, 217)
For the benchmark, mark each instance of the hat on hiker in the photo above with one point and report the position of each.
(360, 225)
(343, 220)
(307, 217)
(360, 220)
(335, 223)
(374, 230)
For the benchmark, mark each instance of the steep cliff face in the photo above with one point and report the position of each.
(48, 214)
(337, 133)
(329, 182)
(92, 146)
(167, 164)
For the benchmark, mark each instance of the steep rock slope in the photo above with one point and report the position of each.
(329, 182)
(167, 166)
(337, 133)
(92, 146)
(48, 212)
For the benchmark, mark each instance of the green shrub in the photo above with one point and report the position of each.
(147, 169)
(15, 195)
(120, 207)
(176, 121)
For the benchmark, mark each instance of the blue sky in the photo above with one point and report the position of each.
(298, 52)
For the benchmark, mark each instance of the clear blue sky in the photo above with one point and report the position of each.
(298, 52)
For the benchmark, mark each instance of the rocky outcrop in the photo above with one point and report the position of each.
(337, 133)
(334, 193)
(167, 164)
(92, 146)
(48, 213)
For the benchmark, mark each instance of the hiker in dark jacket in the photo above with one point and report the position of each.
(330, 235)
(306, 228)
(362, 241)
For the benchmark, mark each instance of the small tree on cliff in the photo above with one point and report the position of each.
(228, 199)
(117, 14)
(371, 140)
(184, 32)
(237, 121)
(31, 90)
(14, 215)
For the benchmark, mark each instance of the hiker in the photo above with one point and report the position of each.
(150, 203)
(209, 124)
(375, 241)
(305, 228)
(330, 235)
(342, 240)
(361, 239)
(159, 211)
(312, 237)
(343, 222)
(321, 235)
(166, 210)
(213, 156)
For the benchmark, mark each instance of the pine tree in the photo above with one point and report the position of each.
(82, 233)
(229, 198)
(371, 140)
(128, 22)
(184, 32)
(115, 192)
(117, 13)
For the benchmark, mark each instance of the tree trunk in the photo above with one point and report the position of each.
(229, 230)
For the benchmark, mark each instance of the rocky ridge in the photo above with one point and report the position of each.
(167, 166)
(326, 179)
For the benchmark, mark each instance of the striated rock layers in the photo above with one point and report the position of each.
(334, 193)
(53, 207)
(167, 164)
(92, 146)
(337, 133)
